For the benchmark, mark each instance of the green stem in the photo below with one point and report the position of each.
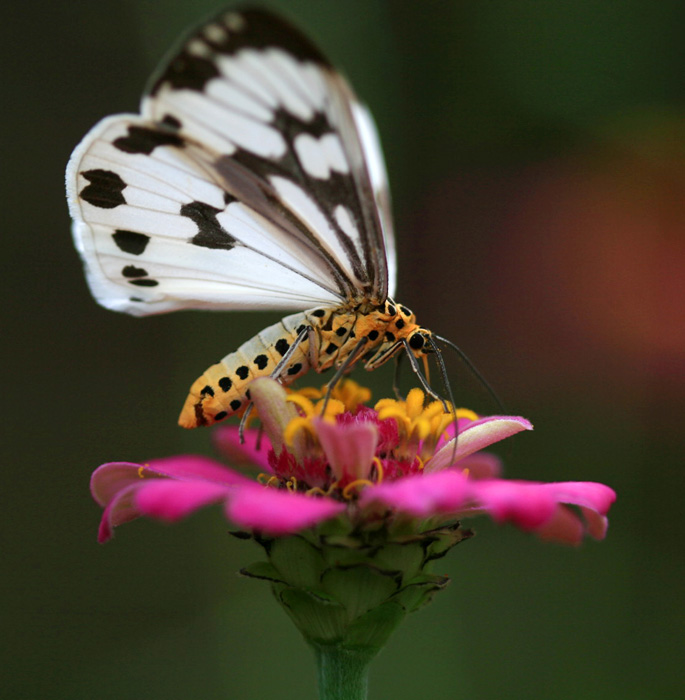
(343, 673)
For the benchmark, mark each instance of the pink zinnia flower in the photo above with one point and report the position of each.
(395, 464)
(352, 505)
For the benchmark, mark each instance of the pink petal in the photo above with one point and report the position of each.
(121, 509)
(172, 500)
(564, 527)
(587, 494)
(253, 453)
(422, 495)
(117, 486)
(195, 467)
(527, 504)
(110, 479)
(482, 465)
(476, 436)
(597, 524)
(349, 448)
(275, 512)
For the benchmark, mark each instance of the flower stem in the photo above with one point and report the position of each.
(342, 672)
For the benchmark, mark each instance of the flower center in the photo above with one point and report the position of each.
(336, 445)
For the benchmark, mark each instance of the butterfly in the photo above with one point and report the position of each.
(252, 178)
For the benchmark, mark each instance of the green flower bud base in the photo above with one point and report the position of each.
(346, 590)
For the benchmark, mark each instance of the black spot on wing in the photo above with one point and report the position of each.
(236, 404)
(172, 122)
(142, 139)
(186, 72)
(211, 234)
(130, 241)
(282, 346)
(243, 372)
(220, 415)
(138, 276)
(133, 271)
(297, 367)
(225, 383)
(207, 391)
(105, 189)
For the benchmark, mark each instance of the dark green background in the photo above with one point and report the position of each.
(535, 151)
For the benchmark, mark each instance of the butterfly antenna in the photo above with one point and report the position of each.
(448, 390)
(474, 371)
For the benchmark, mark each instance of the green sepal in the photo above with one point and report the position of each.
(443, 539)
(299, 562)
(406, 557)
(262, 570)
(319, 619)
(420, 591)
(360, 588)
(371, 630)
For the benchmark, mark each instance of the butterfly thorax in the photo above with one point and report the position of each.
(374, 332)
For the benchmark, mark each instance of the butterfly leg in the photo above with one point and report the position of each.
(340, 371)
(422, 380)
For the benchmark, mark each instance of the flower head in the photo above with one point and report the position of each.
(399, 459)
(353, 503)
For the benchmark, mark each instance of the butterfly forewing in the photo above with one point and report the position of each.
(253, 179)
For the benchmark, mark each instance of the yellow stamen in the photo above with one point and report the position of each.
(421, 463)
(302, 402)
(354, 485)
(467, 413)
(379, 469)
(414, 402)
(141, 471)
(315, 491)
(351, 394)
(297, 425)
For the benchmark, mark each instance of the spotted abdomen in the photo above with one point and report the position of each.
(223, 389)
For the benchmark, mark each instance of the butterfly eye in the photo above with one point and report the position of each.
(416, 341)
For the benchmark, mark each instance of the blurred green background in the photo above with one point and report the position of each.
(536, 155)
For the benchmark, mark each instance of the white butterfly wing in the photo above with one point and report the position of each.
(253, 179)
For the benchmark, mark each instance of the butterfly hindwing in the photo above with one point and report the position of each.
(252, 179)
